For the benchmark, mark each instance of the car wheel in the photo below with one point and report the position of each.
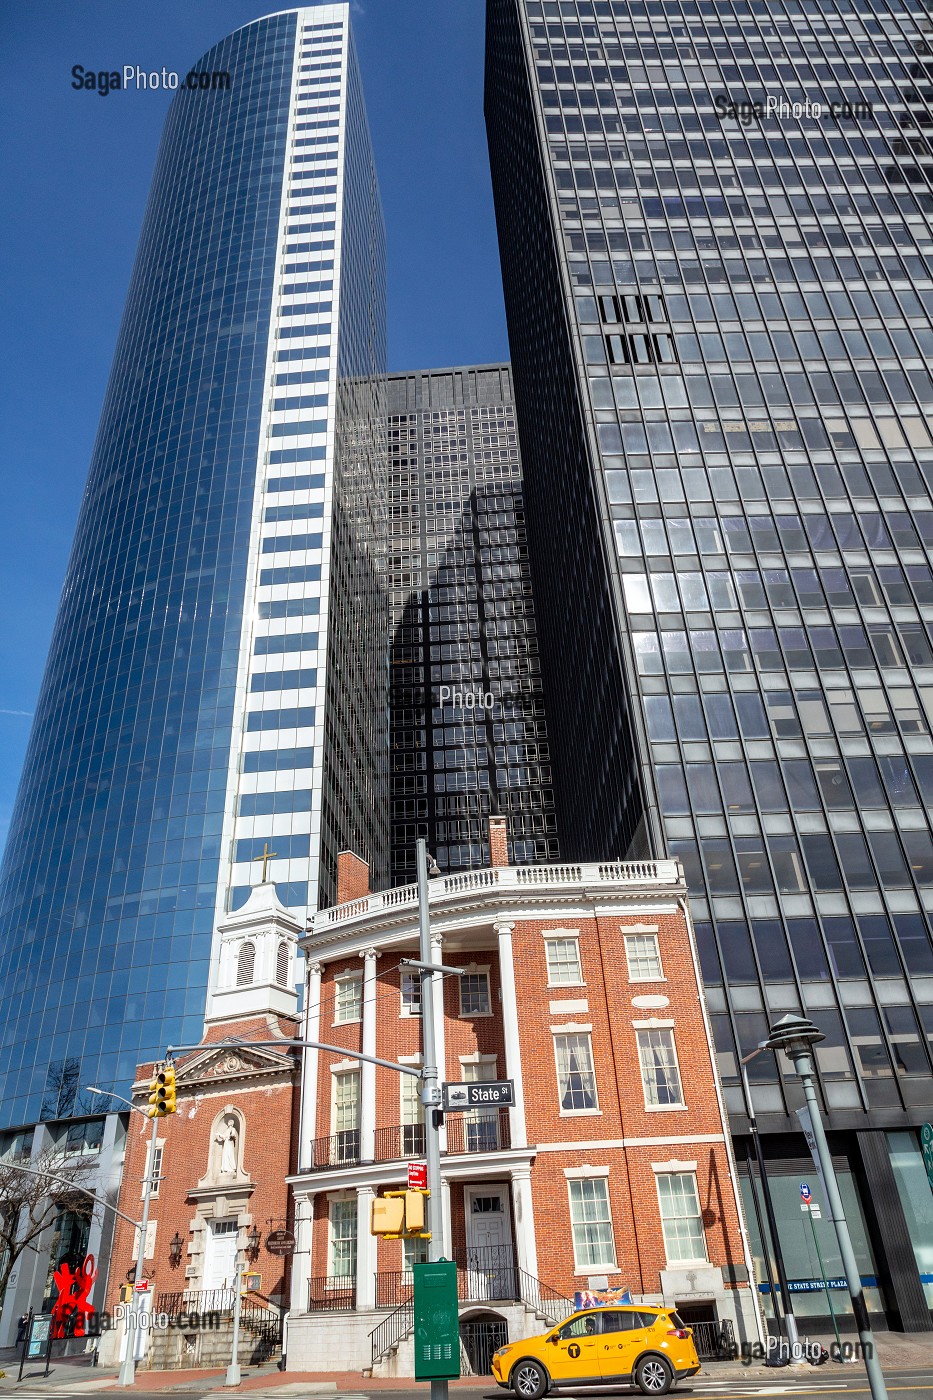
(654, 1375)
(529, 1380)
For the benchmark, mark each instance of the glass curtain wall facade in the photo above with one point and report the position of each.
(217, 677)
(714, 221)
(468, 730)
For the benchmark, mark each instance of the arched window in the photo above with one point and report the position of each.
(282, 961)
(245, 963)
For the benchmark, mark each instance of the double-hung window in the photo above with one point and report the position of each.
(576, 1078)
(474, 994)
(591, 1224)
(347, 1115)
(563, 962)
(643, 957)
(349, 1003)
(660, 1072)
(412, 1117)
(411, 994)
(343, 1239)
(681, 1220)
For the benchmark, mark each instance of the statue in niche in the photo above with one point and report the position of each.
(228, 1139)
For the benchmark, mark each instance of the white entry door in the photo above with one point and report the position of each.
(221, 1251)
(490, 1257)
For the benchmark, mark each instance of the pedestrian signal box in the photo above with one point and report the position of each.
(414, 1211)
(437, 1323)
(388, 1215)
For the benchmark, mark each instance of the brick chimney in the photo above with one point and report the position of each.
(498, 841)
(352, 877)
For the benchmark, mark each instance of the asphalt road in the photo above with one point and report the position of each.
(905, 1385)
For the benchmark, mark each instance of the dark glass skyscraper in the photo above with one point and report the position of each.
(217, 679)
(714, 218)
(468, 734)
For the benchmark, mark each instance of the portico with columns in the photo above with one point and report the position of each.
(541, 1202)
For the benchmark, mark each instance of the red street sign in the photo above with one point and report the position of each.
(417, 1176)
(142, 1286)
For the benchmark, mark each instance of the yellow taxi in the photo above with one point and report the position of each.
(614, 1345)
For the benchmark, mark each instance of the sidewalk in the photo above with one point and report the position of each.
(896, 1351)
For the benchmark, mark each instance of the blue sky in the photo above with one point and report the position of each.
(74, 171)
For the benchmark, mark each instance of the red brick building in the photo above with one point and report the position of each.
(224, 1158)
(613, 1169)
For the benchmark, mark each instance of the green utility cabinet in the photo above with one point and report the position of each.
(437, 1321)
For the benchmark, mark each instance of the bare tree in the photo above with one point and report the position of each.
(30, 1201)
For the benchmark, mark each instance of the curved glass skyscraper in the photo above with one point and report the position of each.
(217, 675)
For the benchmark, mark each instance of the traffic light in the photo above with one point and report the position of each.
(398, 1214)
(162, 1093)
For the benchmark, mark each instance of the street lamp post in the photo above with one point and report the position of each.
(128, 1364)
(430, 1088)
(233, 1370)
(796, 1036)
(790, 1322)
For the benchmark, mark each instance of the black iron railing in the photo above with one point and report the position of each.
(714, 1341)
(403, 1140)
(486, 1275)
(478, 1131)
(480, 1340)
(392, 1330)
(341, 1150)
(204, 1300)
(331, 1293)
(395, 1288)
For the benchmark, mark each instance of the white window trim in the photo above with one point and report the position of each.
(404, 1012)
(561, 935)
(348, 977)
(594, 1268)
(639, 928)
(584, 1173)
(342, 1066)
(477, 1058)
(571, 1029)
(333, 1198)
(640, 981)
(475, 969)
(673, 1166)
(654, 1025)
(347, 1067)
(681, 1263)
(160, 1158)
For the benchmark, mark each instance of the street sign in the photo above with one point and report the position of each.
(142, 1286)
(417, 1176)
(499, 1093)
(805, 1192)
(926, 1142)
(280, 1242)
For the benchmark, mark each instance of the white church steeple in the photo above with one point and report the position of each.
(257, 960)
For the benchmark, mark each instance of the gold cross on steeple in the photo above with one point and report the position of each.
(266, 856)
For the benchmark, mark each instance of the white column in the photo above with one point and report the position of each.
(309, 1067)
(446, 1234)
(440, 1042)
(526, 1248)
(513, 1054)
(368, 1072)
(301, 1259)
(366, 1245)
